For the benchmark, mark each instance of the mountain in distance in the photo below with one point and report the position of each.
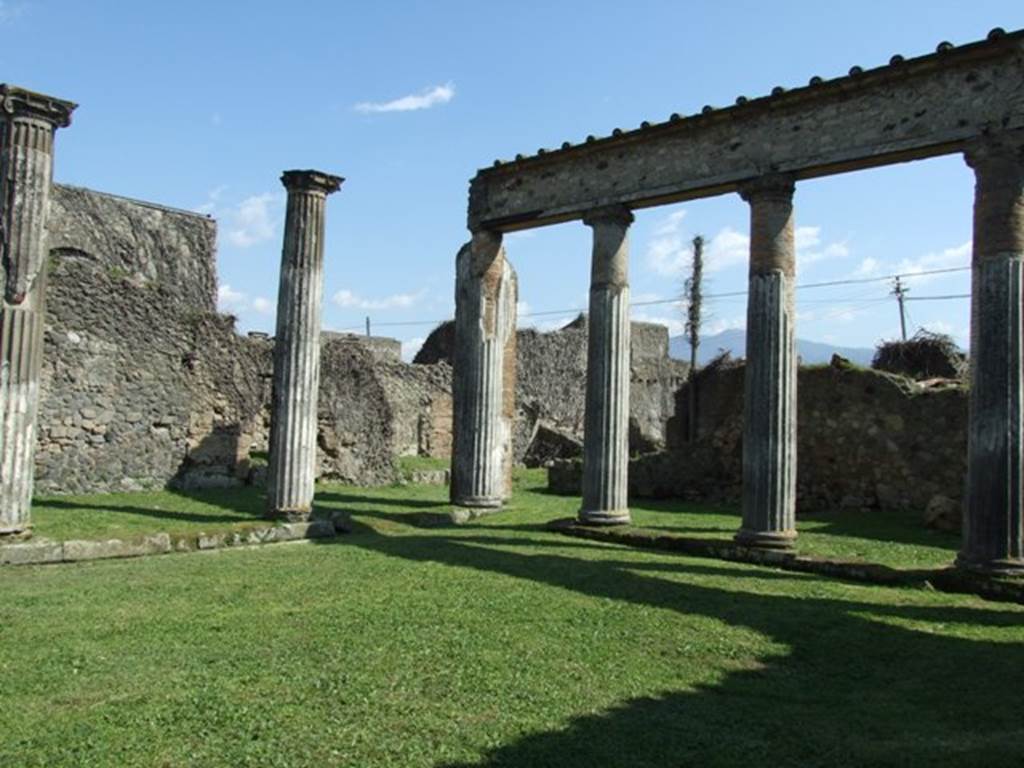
(735, 343)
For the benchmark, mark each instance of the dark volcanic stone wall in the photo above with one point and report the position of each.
(145, 385)
(552, 373)
(865, 439)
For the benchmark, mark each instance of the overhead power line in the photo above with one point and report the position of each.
(725, 295)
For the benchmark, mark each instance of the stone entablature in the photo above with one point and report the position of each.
(910, 109)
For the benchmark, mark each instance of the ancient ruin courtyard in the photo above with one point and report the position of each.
(400, 644)
(521, 385)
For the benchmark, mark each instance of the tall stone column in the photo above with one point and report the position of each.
(27, 124)
(293, 425)
(769, 412)
(483, 387)
(993, 517)
(606, 414)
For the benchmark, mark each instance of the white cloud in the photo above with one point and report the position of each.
(230, 300)
(957, 256)
(869, 267)
(213, 198)
(347, 299)
(523, 309)
(675, 325)
(410, 347)
(248, 223)
(670, 252)
(429, 97)
(263, 305)
(251, 221)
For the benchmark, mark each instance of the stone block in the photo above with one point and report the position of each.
(31, 553)
(943, 514)
(212, 541)
(76, 550)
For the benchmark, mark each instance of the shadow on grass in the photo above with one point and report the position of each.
(858, 683)
(239, 504)
(877, 525)
(334, 497)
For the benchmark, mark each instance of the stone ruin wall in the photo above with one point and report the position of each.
(865, 439)
(551, 380)
(145, 384)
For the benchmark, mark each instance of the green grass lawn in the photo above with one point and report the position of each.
(889, 538)
(498, 644)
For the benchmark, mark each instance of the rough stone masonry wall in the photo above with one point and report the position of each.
(144, 384)
(551, 379)
(865, 439)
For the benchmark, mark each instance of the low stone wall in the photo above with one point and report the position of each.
(865, 439)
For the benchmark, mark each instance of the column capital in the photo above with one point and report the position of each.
(775, 186)
(993, 151)
(18, 102)
(311, 181)
(613, 214)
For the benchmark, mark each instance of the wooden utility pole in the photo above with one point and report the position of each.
(900, 291)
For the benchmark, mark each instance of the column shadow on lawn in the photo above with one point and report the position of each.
(853, 688)
(239, 505)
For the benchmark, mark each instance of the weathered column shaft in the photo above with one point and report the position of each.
(606, 415)
(27, 124)
(293, 426)
(993, 517)
(483, 387)
(769, 414)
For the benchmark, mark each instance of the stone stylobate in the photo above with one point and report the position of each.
(27, 124)
(606, 418)
(293, 426)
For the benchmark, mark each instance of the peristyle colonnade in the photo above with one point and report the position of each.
(967, 100)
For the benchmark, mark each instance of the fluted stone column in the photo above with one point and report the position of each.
(293, 426)
(27, 124)
(769, 414)
(606, 415)
(993, 517)
(483, 387)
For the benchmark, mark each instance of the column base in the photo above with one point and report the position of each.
(290, 514)
(766, 539)
(9, 535)
(1005, 567)
(604, 517)
(478, 502)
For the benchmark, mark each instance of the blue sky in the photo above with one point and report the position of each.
(201, 105)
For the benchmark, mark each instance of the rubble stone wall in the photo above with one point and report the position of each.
(866, 439)
(145, 385)
(551, 379)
